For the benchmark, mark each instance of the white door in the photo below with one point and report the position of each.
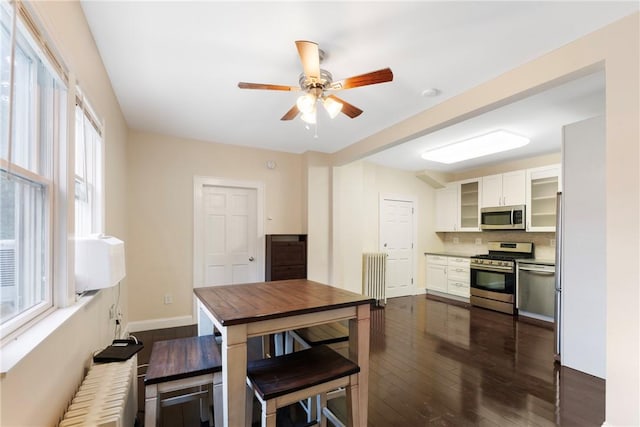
(229, 227)
(396, 239)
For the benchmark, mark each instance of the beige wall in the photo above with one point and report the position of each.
(160, 211)
(532, 162)
(615, 49)
(35, 392)
(356, 198)
(318, 208)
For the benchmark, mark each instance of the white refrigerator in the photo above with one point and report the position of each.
(581, 246)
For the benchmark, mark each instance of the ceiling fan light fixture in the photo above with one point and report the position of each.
(306, 103)
(332, 106)
(478, 146)
(309, 118)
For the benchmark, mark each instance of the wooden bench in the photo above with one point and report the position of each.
(180, 364)
(280, 381)
(329, 333)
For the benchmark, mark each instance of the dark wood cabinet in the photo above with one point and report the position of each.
(286, 256)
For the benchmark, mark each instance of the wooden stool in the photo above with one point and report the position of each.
(283, 380)
(328, 333)
(181, 364)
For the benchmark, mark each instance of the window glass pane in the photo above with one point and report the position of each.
(23, 272)
(23, 153)
(88, 182)
(80, 144)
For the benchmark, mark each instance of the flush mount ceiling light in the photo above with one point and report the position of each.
(483, 145)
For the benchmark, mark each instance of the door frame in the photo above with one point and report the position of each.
(199, 182)
(414, 204)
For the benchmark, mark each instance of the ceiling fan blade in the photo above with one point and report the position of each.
(310, 58)
(348, 109)
(245, 85)
(372, 78)
(291, 114)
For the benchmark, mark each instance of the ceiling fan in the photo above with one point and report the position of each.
(318, 85)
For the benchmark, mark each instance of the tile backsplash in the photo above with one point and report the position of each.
(476, 243)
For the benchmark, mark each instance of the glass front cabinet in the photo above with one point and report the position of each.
(469, 205)
(543, 185)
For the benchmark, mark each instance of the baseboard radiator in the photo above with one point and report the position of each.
(107, 397)
(374, 275)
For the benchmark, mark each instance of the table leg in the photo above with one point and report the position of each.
(151, 405)
(359, 331)
(205, 325)
(234, 374)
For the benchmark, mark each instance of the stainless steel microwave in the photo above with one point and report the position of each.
(503, 218)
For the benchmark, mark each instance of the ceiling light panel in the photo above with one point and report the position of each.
(479, 146)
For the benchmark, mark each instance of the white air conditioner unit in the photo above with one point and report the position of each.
(99, 262)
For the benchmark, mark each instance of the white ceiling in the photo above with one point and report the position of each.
(175, 67)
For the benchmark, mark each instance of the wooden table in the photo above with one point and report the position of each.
(258, 309)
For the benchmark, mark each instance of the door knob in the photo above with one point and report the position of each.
(385, 245)
(251, 258)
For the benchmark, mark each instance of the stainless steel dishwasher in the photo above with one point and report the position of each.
(536, 289)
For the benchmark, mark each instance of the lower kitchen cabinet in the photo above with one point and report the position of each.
(449, 275)
(437, 273)
(455, 287)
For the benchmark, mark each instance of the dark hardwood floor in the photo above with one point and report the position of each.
(434, 363)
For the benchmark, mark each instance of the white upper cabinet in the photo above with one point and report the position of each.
(458, 206)
(447, 208)
(543, 185)
(504, 189)
(492, 190)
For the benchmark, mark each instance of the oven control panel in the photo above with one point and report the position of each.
(492, 264)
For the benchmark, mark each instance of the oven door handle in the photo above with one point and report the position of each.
(491, 268)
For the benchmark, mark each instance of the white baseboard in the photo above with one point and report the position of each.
(167, 322)
(421, 291)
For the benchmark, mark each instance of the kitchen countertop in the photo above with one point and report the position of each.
(451, 254)
(538, 261)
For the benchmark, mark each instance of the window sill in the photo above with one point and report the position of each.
(19, 347)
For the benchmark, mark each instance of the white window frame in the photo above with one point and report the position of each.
(58, 216)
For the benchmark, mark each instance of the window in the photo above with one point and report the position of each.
(27, 178)
(88, 170)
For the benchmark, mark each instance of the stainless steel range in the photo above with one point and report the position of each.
(493, 275)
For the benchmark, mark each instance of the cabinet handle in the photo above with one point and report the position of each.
(251, 258)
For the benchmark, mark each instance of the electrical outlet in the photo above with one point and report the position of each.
(552, 242)
(168, 299)
(456, 240)
(479, 241)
